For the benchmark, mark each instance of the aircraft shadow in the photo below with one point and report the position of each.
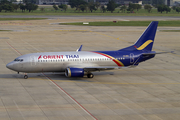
(55, 76)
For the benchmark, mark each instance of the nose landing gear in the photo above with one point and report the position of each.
(25, 77)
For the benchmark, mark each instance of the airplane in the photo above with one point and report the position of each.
(79, 63)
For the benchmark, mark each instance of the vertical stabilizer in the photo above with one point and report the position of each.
(145, 42)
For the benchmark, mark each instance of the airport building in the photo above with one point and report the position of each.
(169, 2)
(172, 2)
(51, 2)
(103, 2)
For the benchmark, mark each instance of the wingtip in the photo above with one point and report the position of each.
(79, 49)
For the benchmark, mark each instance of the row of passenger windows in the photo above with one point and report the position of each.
(51, 60)
(92, 59)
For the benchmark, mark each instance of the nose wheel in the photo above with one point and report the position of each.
(25, 77)
(90, 75)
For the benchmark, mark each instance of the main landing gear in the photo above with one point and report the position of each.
(90, 75)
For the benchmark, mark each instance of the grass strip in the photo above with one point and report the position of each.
(5, 19)
(5, 30)
(126, 23)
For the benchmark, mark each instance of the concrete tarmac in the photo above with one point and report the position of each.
(150, 91)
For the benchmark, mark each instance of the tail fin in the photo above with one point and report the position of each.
(145, 42)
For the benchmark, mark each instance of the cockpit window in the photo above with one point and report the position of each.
(18, 60)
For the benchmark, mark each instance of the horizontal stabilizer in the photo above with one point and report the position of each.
(154, 53)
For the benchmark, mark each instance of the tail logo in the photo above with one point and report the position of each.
(144, 45)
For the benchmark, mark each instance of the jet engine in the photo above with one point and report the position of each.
(74, 72)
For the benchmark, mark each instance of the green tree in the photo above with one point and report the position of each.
(91, 6)
(1, 8)
(123, 8)
(178, 9)
(111, 6)
(35, 7)
(167, 8)
(2, 2)
(160, 8)
(97, 4)
(55, 7)
(131, 7)
(103, 8)
(138, 6)
(30, 6)
(63, 6)
(76, 3)
(148, 8)
(22, 7)
(82, 7)
(174, 8)
(8, 7)
(15, 6)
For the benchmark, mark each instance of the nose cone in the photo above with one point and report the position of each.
(10, 65)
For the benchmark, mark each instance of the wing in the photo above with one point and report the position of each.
(102, 68)
(95, 68)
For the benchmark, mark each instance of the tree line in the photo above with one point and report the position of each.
(81, 5)
(9, 6)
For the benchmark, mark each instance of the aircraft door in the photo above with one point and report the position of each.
(21, 64)
(131, 58)
(33, 62)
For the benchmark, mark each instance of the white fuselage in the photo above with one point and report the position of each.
(59, 61)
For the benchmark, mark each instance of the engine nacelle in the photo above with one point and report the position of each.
(74, 72)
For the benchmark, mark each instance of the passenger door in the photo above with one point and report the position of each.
(131, 58)
(33, 62)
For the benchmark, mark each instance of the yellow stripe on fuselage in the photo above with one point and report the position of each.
(119, 62)
(115, 60)
(144, 45)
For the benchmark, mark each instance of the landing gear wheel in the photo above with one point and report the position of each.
(25, 77)
(90, 75)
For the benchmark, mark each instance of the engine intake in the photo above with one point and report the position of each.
(74, 72)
